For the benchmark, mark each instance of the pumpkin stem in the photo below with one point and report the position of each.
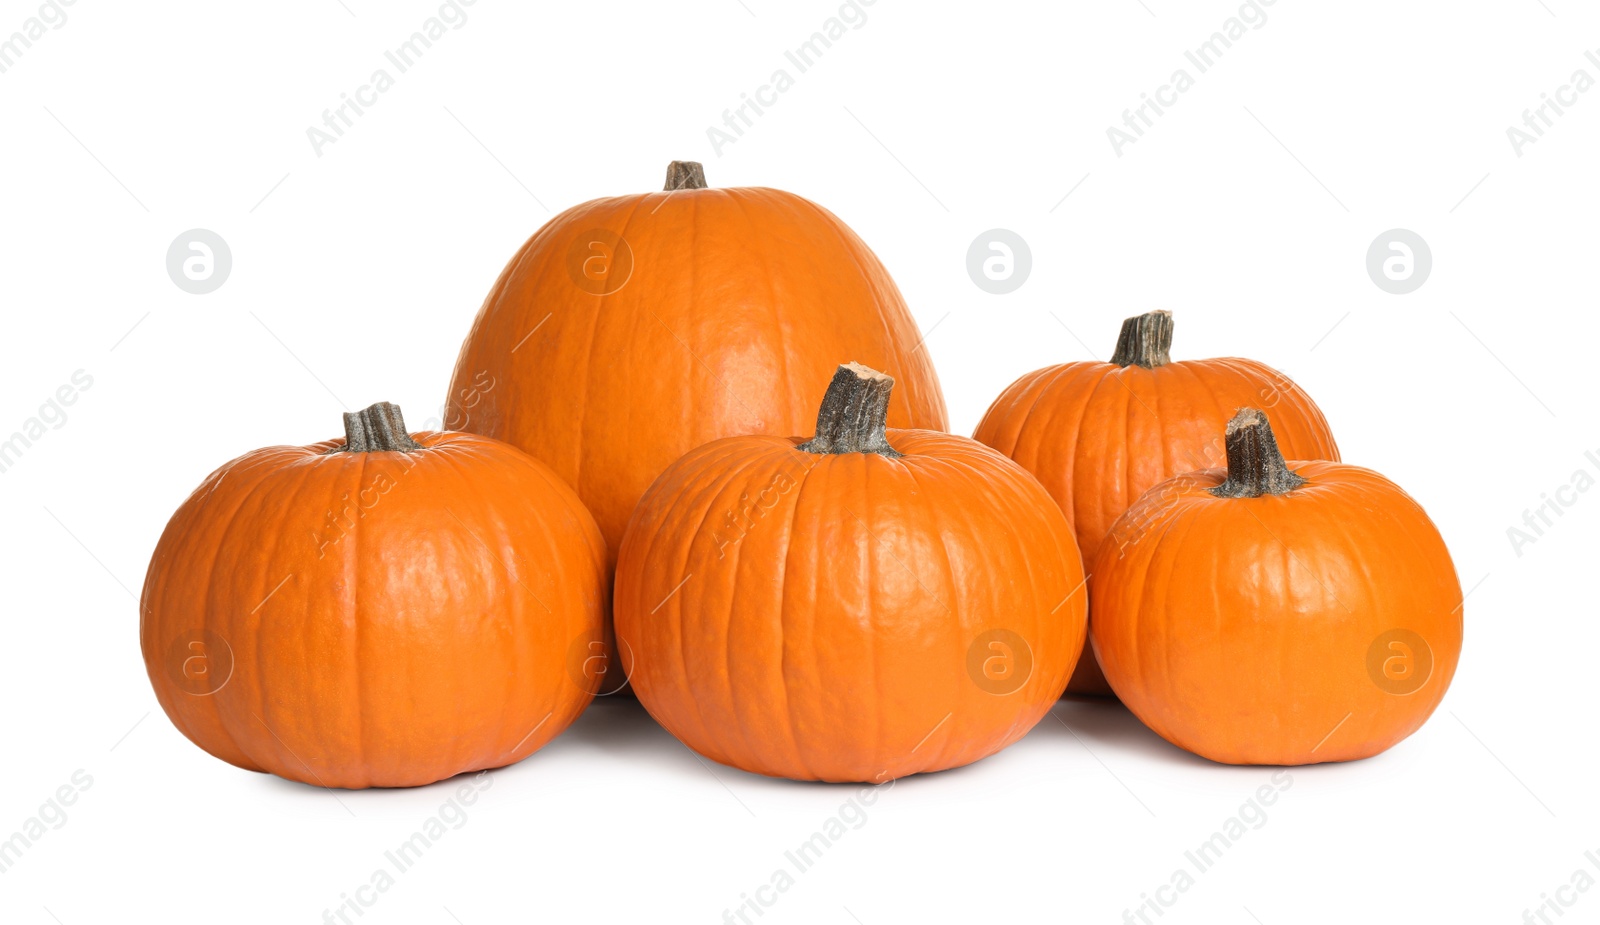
(1255, 466)
(853, 414)
(1145, 340)
(685, 175)
(376, 428)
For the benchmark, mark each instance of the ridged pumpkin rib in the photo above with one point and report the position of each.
(850, 473)
(792, 733)
(257, 704)
(1087, 491)
(354, 737)
(814, 678)
(598, 321)
(156, 589)
(714, 488)
(647, 540)
(1161, 581)
(473, 492)
(1130, 399)
(522, 666)
(729, 645)
(1040, 624)
(1068, 480)
(969, 622)
(207, 623)
(262, 706)
(717, 620)
(357, 637)
(933, 522)
(960, 468)
(778, 326)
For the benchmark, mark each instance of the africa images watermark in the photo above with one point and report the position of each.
(852, 815)
(50, 15)
(1251, 16)
(403, 57)
(1543, 517)
(1252, 815)
(738, 521)
(1566, 895)
(803, 57)
(53, 413)
(1537, 119)
(452, 814)
(51, 813)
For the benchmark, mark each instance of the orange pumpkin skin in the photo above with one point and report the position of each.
(375, 619)
(1278, 630)
(824, 617)
(1098, 435)
(732, 308)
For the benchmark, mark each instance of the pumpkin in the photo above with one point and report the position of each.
(628, 331)
(1265, 614)
(385, 610)
(1099, 434)
(859, 606)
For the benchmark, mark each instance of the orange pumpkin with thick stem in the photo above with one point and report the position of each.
(1097, 435)
(857, 607)
(631, 330)
(1277, 613)
(385, 610)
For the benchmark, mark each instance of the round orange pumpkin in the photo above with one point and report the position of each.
(1097, 435)
(382, 611)
(1265, 614)
(630, 330)
(857, 607)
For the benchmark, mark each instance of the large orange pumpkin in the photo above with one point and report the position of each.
(382, 611)
(1265, 614)
(1099, 434)
(857, 607)
(630, 330)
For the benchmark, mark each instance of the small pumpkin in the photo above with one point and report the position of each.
(630, 330)
(386, 610)
(1098, 435)
(1265, 614)
(859, 606)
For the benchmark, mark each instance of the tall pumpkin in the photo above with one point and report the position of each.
(629, 330)
(860, 606)
(386, 610)
(1277, 613)
(1099, 434)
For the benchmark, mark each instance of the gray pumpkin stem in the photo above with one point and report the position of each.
(376, 428)
(1255, 466)
(1145, 340)
(854, 413)
(685, 175)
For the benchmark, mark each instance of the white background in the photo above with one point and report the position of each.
(1247, 209)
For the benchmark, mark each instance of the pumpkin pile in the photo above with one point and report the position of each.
(1099, 435)
(713, 404)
